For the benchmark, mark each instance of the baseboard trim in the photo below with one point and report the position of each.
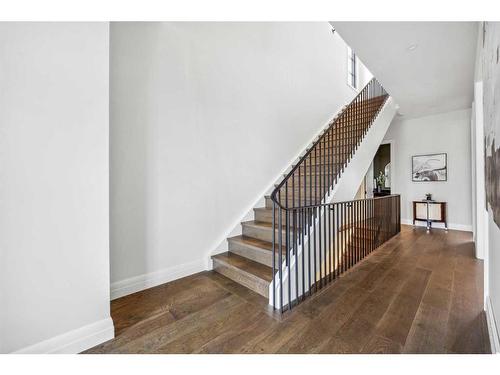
(461, 227)
(492, 327)
(137, 283)
(75, 341)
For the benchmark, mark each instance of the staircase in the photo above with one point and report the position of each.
(253, 258)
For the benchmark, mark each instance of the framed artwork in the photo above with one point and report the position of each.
(431, 167)
(491, 96)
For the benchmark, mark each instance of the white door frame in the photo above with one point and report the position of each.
(391, 143)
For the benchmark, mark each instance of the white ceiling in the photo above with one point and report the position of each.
(437, 76)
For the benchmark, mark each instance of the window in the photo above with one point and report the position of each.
(352, 68)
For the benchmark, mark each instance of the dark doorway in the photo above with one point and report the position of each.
(382, 171)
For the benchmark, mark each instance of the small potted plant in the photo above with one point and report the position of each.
(380, 181)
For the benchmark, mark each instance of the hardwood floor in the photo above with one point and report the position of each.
(418, 293)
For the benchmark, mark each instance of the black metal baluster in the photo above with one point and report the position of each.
(274, 256)
(363, 220)
(314, 230)
(348, 250)
(325, 181)
(337, 235)
(351, 131)
(289, 268)
(300, 202)
(294, 232)
(344, 141)
(315, 175)
(355, 114)
(296, 254)
(360, 230)
(320, 248)
(341, 143)
(331, 251)
(303, 221)
(355, 231)
(344, 258)
(325, 248)
(320, 198)
(368, 103)
(372, 224)
(330, 160)
(366, 227)
(346, 235)
(351, 263)
(287, 242)
(322, 169)
(334, 153)
(308, 212)
(280, 252)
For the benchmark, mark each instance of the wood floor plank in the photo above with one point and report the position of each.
(381, 345)
(464, 334)
(367, 316)
(233, 341)
(152, 341)
(228, 321)
(399, 317)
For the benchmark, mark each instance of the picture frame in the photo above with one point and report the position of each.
(429, 167)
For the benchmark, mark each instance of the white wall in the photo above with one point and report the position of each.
(54, 252)
(204, 117)
(443, 133)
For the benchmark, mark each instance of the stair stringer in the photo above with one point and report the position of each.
(345, 190)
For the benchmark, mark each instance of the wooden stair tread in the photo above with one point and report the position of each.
(246, 265)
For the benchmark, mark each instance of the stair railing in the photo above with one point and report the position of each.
(299, 213)
(336, 237)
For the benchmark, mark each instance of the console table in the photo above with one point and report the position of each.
(430, 212)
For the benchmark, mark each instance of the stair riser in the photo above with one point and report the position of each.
(266, 216)
(269, 202)
(264, 234)
(241, 277)
(258, 255)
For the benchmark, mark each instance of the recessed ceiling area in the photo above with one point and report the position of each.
(428, 67)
